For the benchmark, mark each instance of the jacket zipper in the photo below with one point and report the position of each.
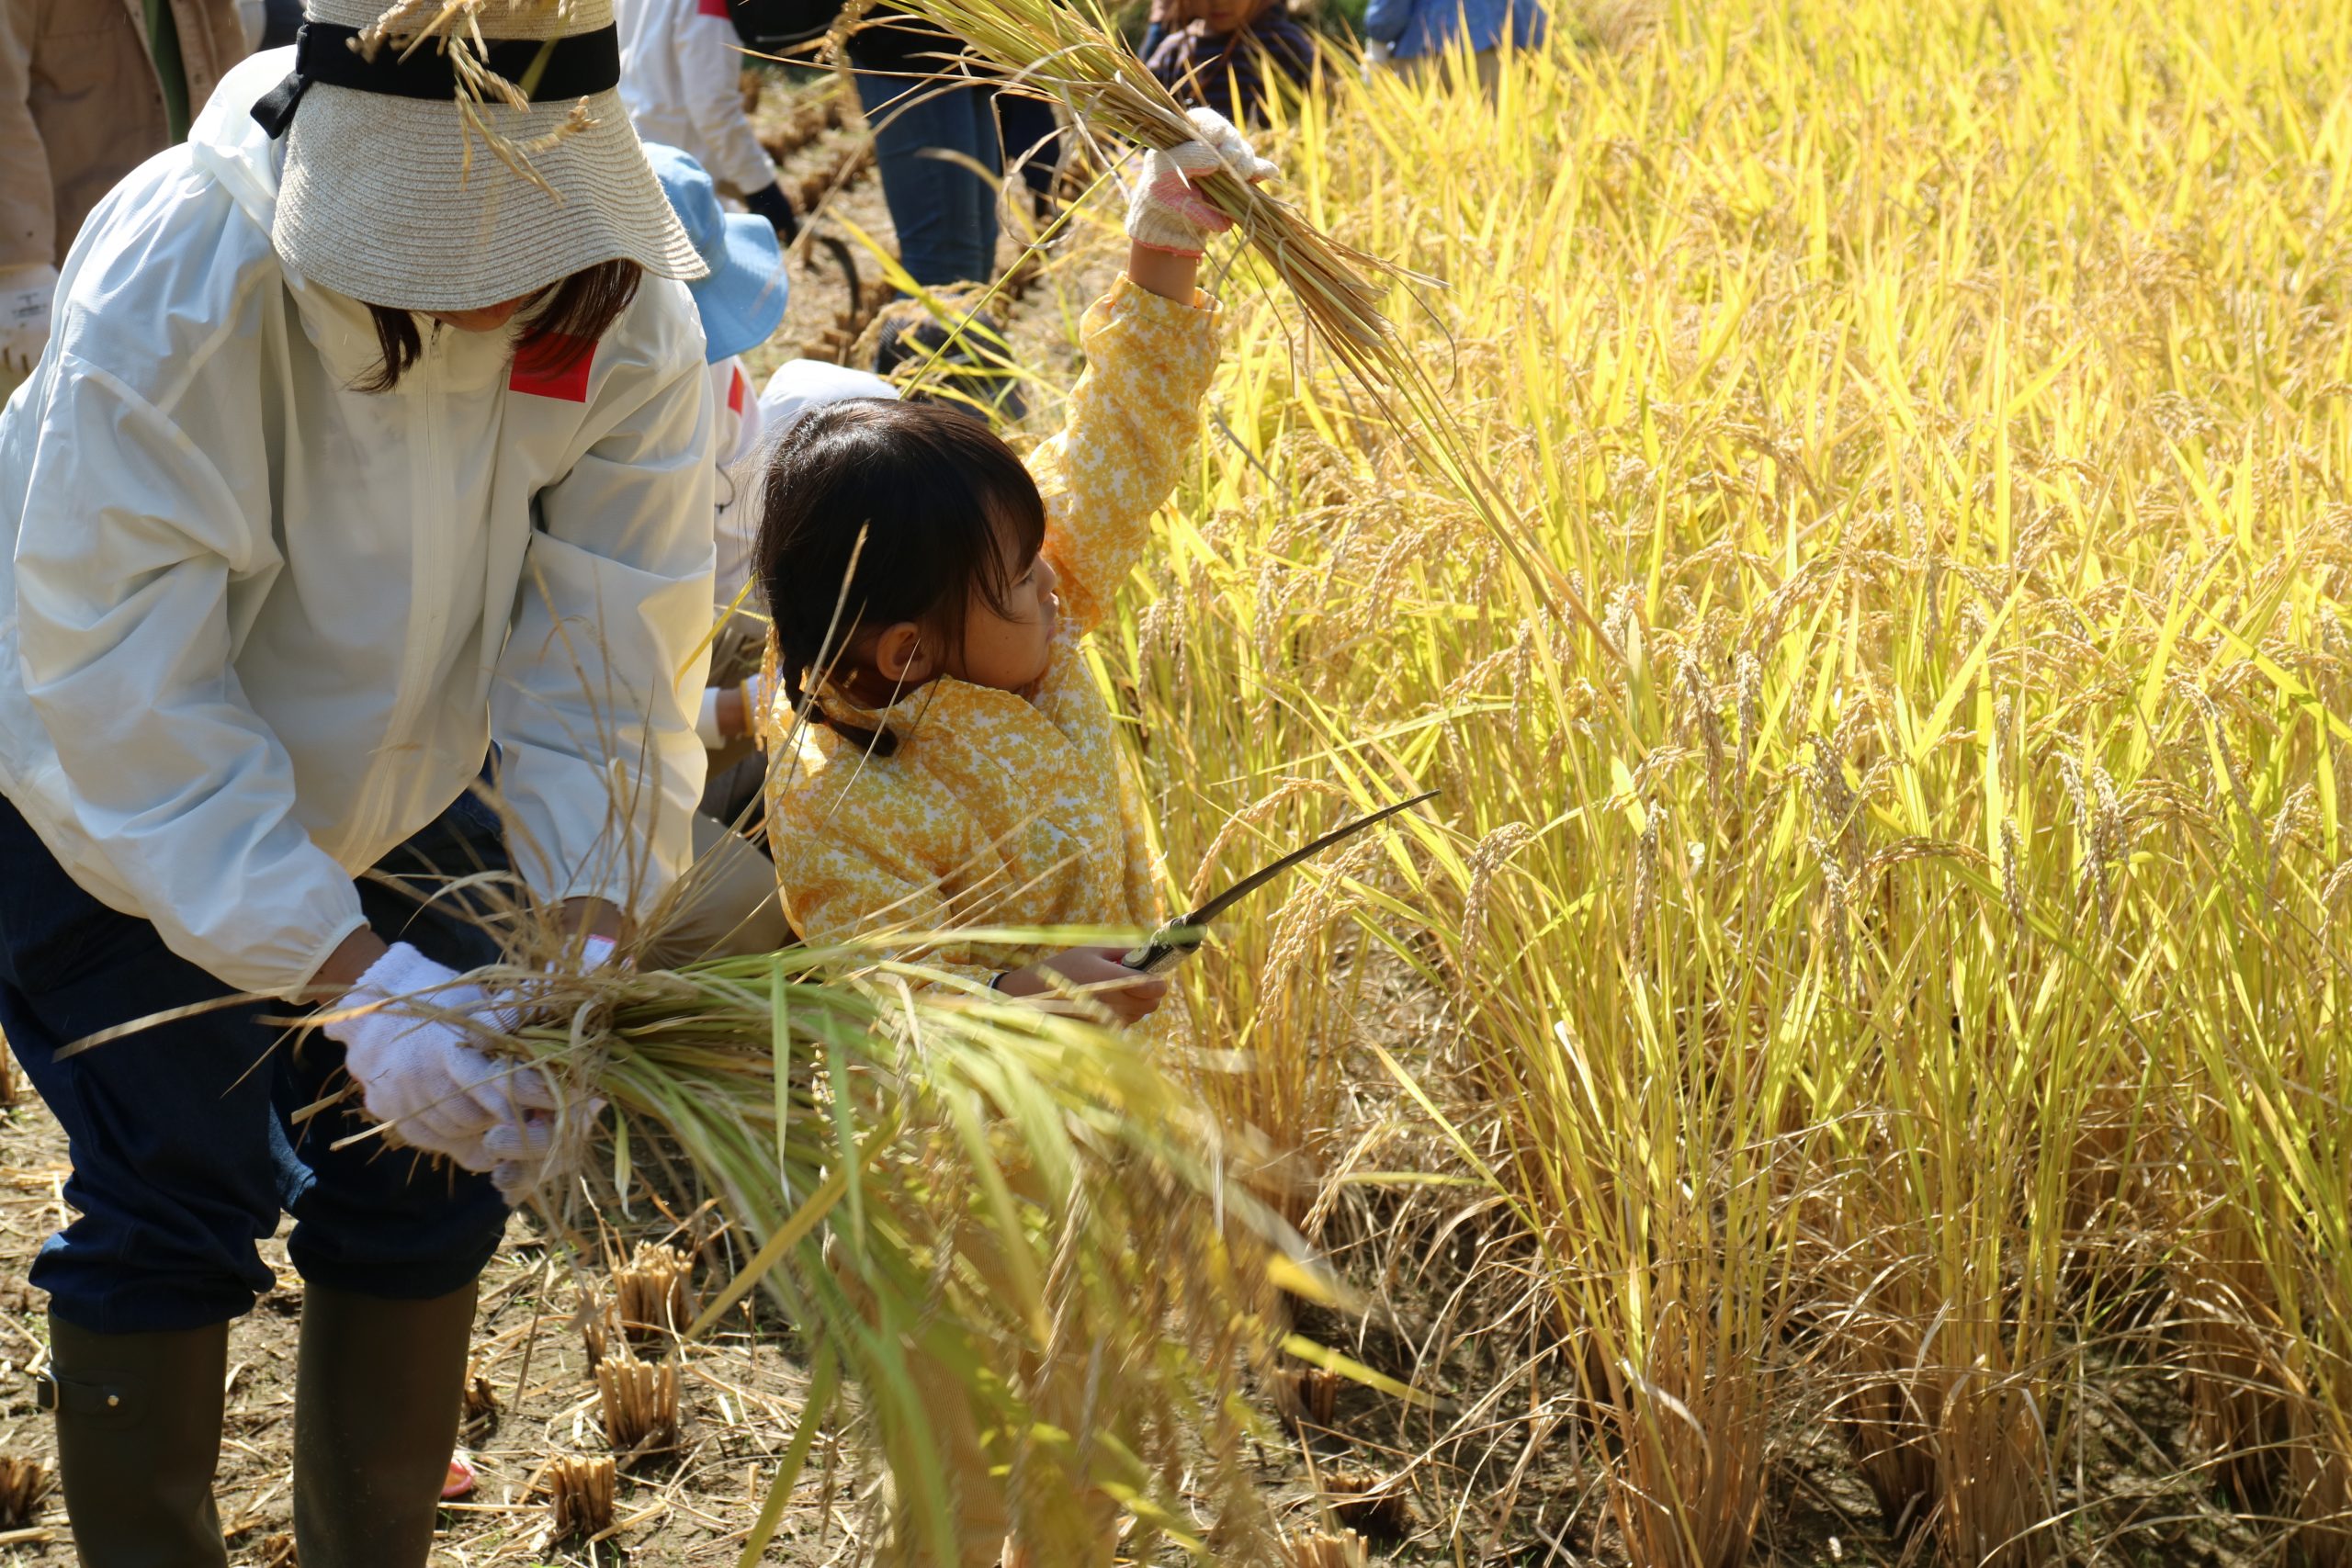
(431, 507)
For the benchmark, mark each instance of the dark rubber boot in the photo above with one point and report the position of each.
(375, 1402)
(138, 1440)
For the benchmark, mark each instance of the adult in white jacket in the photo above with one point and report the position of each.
(359, 468)
(682, 67)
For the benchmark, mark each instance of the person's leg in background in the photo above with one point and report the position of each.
(1032, 140)
(944, 212)
(1488, 63)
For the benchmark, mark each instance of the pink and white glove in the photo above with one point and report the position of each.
(1168, 211)
(417, 1072)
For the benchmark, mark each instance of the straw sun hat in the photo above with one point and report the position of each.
(401, 186)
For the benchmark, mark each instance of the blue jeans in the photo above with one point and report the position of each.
(183, 1136)
(1034, 137)
(944, 211)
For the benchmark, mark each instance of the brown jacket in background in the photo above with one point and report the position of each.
(80, 107)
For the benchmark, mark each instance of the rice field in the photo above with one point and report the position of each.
(1850, 1069)
(1864, 1039)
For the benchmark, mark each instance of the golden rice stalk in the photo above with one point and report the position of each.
(1306, 1395)
(1374, 1506)
(1072, 53)
(964, 1205)
(595, 1335)
(1319, 1548)
(639, 1400)
(653, 1293)
(24, 1483)
(480, 1398)
(579, 1494)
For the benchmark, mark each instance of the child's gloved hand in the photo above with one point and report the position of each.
(1094, 973)
(1168, 211)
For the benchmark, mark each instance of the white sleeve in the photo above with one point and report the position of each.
(710, 67)
(594, 708)
(129, 539)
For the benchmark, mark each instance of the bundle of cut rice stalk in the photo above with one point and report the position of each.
(1069, 50)
(1005, 1228)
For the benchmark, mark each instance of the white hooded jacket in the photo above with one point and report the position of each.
(257, 627)
(682, 68)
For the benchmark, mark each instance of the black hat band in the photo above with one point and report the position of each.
(545, 69)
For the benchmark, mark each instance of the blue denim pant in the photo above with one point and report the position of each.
(184, 1138)
(1032, 138)
(944, 211)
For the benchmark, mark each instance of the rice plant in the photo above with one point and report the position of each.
(1898, 932)
(982, 1219)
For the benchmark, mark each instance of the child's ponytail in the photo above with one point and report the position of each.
(878, 742)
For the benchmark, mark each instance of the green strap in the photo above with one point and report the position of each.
(171, 71)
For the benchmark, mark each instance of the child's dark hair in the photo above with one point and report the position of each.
(946, 510)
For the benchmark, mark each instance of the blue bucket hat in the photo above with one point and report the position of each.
(742, 302)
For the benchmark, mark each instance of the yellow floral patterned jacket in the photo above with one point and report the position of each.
(997, 807)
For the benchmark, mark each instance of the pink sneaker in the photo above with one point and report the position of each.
(462, 1477)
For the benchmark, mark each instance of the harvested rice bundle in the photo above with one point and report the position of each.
(1002, 1227)
(1071, 53)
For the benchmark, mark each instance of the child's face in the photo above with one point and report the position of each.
(1225, 15)
(1008, 647)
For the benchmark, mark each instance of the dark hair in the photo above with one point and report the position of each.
(568, 316)
(943, 508)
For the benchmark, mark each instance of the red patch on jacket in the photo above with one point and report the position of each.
(555, 366)
(711, 8)
(737, 386)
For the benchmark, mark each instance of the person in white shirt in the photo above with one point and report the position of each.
(362, 468)
(727, 902)
(682, 68)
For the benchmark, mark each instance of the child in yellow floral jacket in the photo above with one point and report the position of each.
(960, 767)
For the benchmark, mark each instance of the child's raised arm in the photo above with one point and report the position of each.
(1150, 348)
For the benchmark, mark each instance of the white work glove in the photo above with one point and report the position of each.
(712, 734)
(527, 1156)
(1168, 211)
(417, 1072)
(25, 295)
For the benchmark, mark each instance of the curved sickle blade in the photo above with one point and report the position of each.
(1176, 940)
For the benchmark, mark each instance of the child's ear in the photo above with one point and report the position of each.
(898, 655)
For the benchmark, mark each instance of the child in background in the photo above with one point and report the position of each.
(681, 65)
(1418, 36)
(736, 696)
(727, 904)
(961, 768)
(1222, 57)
